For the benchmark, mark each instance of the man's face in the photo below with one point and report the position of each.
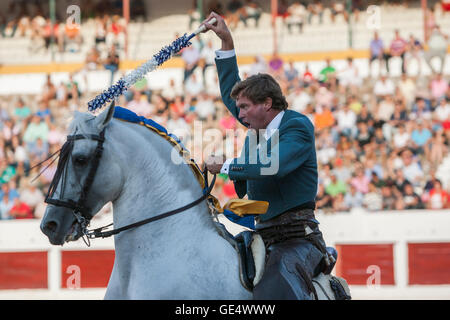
(251, 114)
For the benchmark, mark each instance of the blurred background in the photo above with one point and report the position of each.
(373, 77)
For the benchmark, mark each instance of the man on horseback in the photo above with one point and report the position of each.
(296, 251)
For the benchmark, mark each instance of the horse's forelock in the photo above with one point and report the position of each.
(82, 123)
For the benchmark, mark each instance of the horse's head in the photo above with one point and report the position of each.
(86, 179)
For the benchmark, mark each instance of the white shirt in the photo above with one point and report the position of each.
(271, 128)
(384, 88)
(346, 120)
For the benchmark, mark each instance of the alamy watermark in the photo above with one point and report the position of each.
(373, 21)
(204, 143)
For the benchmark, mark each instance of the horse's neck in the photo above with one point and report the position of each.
(154, 184)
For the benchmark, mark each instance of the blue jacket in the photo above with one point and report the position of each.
(282, 171)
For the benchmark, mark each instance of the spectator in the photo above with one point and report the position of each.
(207, 59)
(324, 97)
(339, 204)
(48, 91)
(363, 135)
(291, 74)
(112, 62)
(438, 149)
(437, 198)
(401, 138)
(385, 109)
(442, 111)
(299, 99)
(258, 66)
(373, 200)
(194, 14)
(193, 86)
(5, 208)
(20, 153)
(323, 118)
(408, 90)
(50, 32)
(276, 65)
(216, 6)
(31, 195)
(360, 181)
(335, 186)
(38, 151)
(178, 126)
(115, 35)
(100, 30)
(307, 77)
(315, 9)
(349, 77)
(35, 130)
(172, 91)
(342, 172)
(377, 52)
(421, 111)
(437, 47)
(399, 115)
(323, 200)
(140, 105)
(233, 13)
(439, 87)
(296, 16)
(346, 121)
(20, 210)
(383, 87)
(92, 61)
(337, 8)
(397, 49)
(251, 10)
(354, 198)
(21, 111)
(411, 199)
(415, 51)
(191, 58)
(411, 168)
(388, 197)
(420, 137)
(327, 72)
(205, 108)
(72, 34)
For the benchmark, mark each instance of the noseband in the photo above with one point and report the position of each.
(81, 211)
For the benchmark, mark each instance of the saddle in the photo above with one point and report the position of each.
(251, 253)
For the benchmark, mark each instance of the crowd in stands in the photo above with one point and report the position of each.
(379, 140)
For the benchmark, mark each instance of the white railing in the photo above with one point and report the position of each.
(356, 227)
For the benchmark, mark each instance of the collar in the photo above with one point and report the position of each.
(273, 125)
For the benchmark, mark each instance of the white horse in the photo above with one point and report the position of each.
(182, 256)
(179, 257)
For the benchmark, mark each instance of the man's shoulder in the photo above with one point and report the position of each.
(293, 118)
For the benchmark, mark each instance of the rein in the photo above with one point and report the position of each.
(97, 233)
(81, 212)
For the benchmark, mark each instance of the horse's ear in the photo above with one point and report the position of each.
(103, 118)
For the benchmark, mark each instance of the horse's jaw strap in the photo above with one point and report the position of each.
(98, 233)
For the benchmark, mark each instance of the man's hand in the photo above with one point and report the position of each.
(214, 164)
(220, 29)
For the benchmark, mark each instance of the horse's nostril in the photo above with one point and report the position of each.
(51, 226)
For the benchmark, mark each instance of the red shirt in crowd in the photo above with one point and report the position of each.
(20, 210)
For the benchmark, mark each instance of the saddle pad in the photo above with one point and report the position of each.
(242, 207)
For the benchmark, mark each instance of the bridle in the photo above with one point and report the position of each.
(81, 211)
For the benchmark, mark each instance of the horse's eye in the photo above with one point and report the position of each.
(80, 161)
